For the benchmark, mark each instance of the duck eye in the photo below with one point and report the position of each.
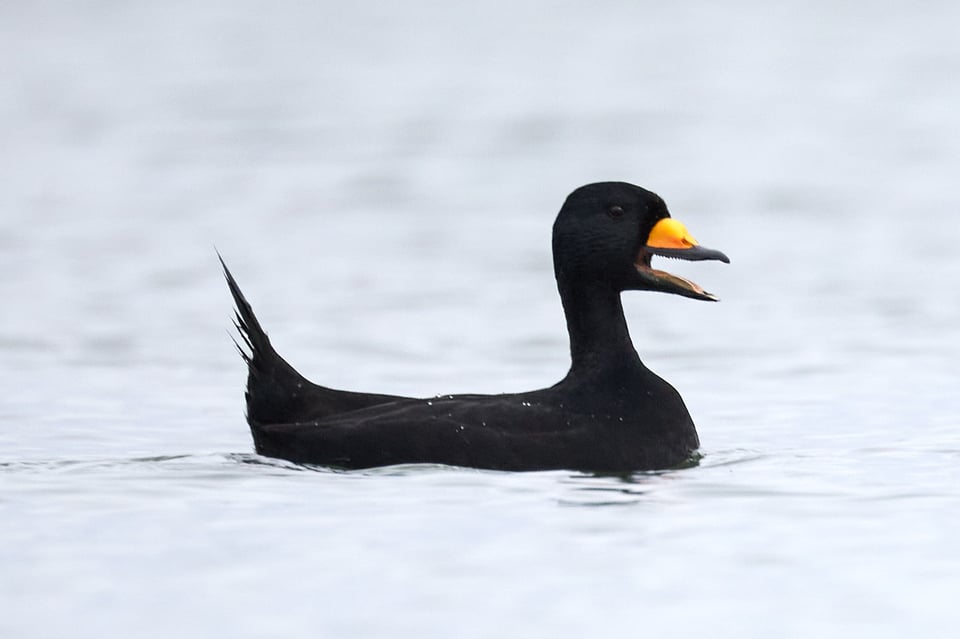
(615, 211)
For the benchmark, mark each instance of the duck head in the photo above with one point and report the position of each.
(607, 233)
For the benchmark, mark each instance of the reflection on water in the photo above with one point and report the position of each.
(383, 179)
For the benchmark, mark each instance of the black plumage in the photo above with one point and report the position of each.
(610, 413)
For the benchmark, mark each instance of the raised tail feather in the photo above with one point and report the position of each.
(276, 392)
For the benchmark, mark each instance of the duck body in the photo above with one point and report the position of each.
(641, 423)
(609, 414)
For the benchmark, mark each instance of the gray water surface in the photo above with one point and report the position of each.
(382, 180)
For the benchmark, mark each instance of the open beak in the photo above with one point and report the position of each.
(670, 238)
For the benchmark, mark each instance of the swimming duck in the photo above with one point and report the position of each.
(609, 414)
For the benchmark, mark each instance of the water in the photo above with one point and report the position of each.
(382, 181)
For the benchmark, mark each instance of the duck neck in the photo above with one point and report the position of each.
(599, 339)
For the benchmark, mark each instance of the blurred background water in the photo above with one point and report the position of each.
(382, 177)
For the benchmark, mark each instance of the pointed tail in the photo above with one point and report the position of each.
(274, 388)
